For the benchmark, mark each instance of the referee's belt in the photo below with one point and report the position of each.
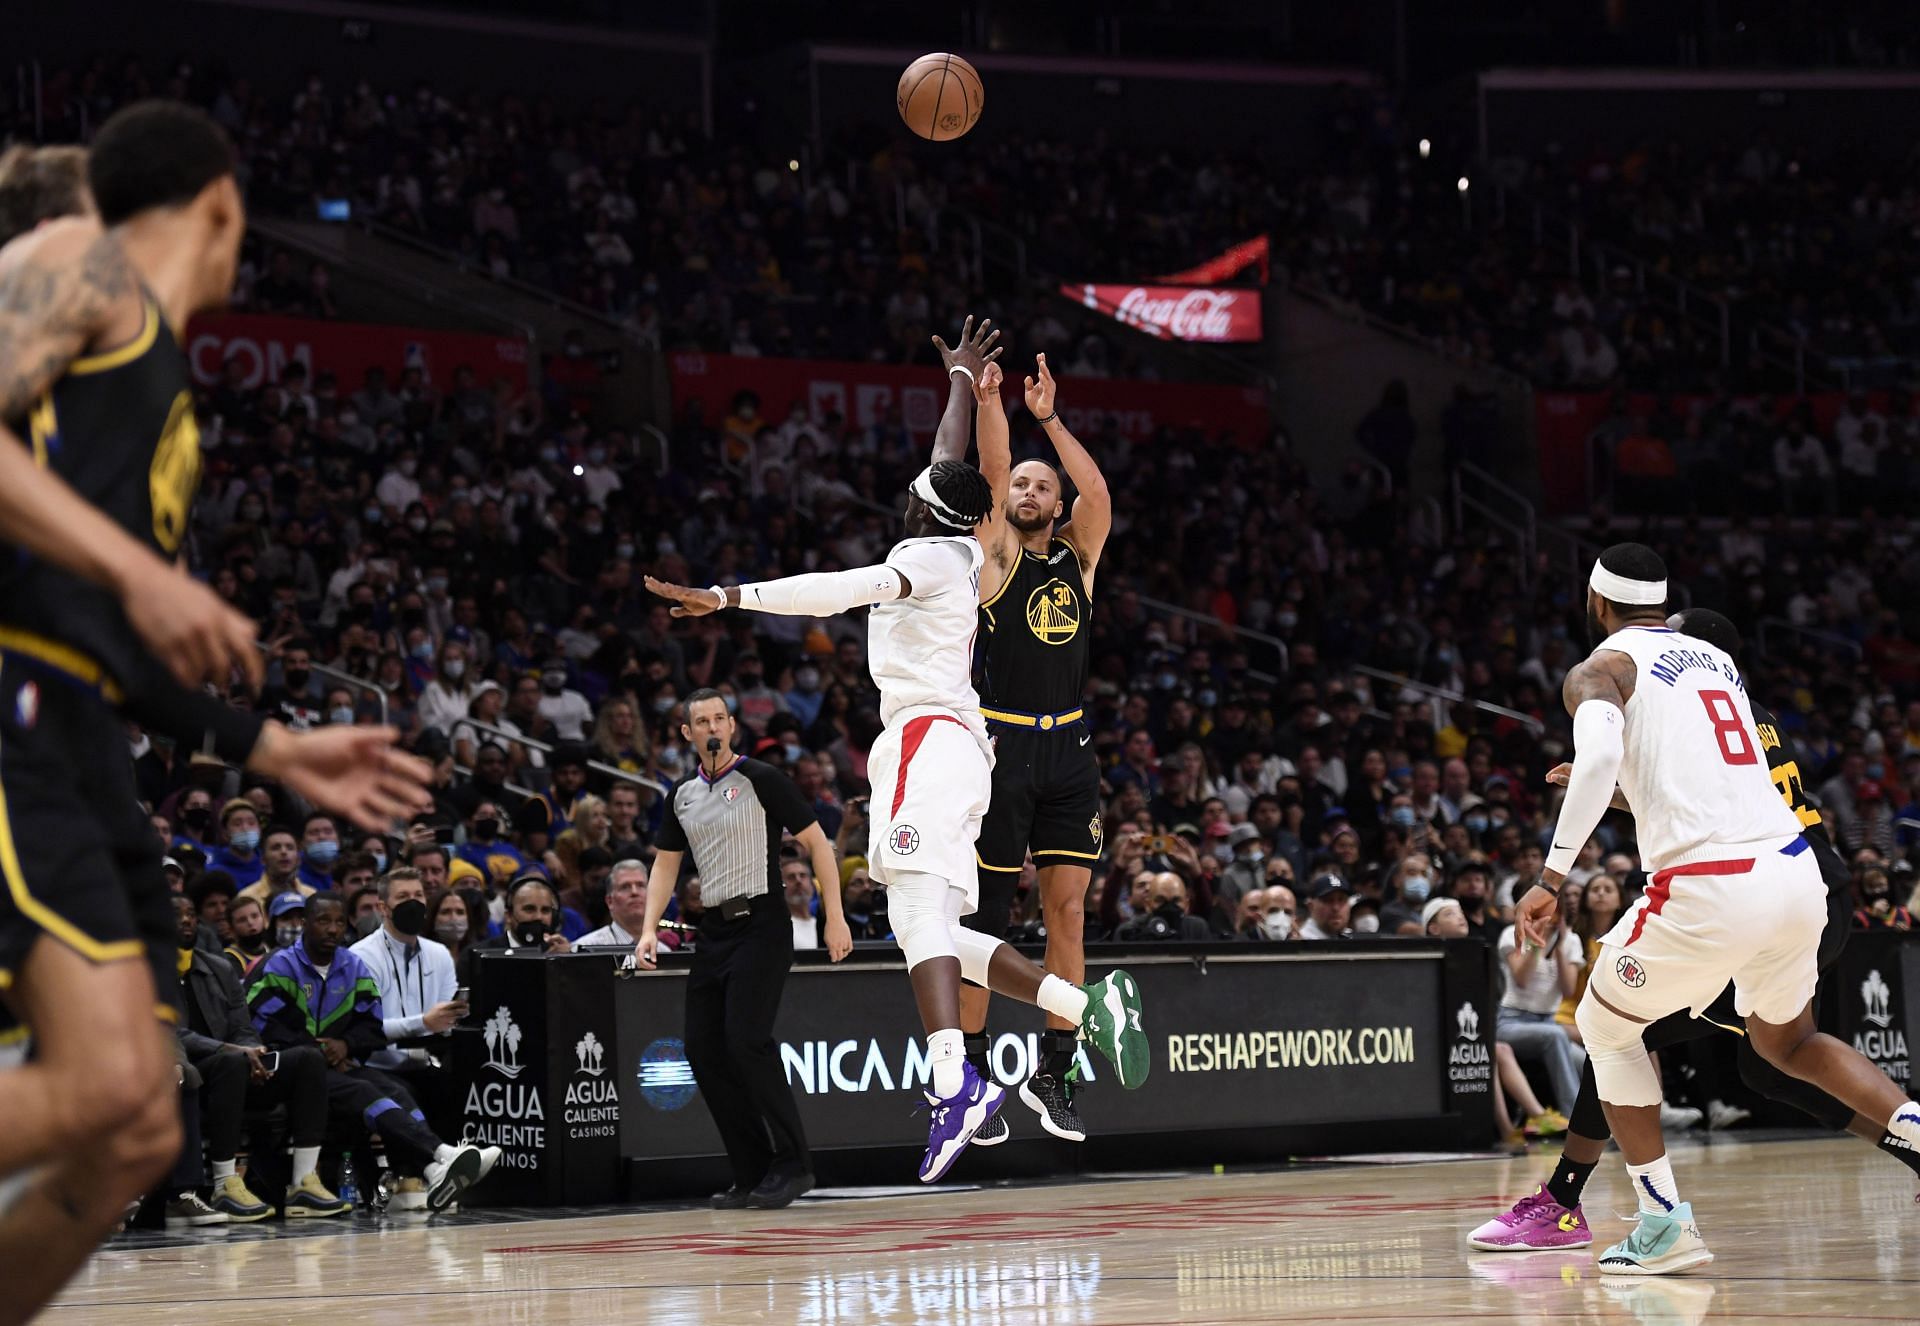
(1045, 722)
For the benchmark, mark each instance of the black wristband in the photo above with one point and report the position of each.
(1542, 884)
(1050, 418)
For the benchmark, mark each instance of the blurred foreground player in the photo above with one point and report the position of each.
(1735, 889)
(93, 379)
(1550, 1217)
(931, 769)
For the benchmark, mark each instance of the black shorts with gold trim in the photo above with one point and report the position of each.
(1046, 799)
(78, 859)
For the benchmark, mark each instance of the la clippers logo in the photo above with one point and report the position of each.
(731, 794)
(906, 840)
(1630, 972)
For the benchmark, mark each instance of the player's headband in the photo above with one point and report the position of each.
(1619, 589)
(922, 488)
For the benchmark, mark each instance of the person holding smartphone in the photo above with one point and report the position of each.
(240, 1076)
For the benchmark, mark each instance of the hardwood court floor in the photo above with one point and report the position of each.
(1810, 1230)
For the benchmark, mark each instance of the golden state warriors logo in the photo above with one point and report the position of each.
(1053, 614)
(175, 473)
(1096, 830)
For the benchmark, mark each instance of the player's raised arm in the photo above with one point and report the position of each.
(996, 439)
(63, 290)
(1092, 519)
(1596, 694)
(964, 364)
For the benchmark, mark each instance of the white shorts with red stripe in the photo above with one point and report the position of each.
(932, 774)
(1753, 917)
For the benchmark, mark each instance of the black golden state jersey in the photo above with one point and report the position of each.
(1786, 776)
(119, 427)
(1038, 632)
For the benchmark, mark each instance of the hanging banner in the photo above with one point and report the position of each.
(266, 343)
(1177, 313)
(1220, 270)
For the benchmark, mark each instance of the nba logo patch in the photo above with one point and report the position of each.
(731, 794)
(26, 705)
(1630, 972)
(905, 840)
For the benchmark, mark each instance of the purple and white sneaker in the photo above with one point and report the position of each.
(955, 1120)
(1536, 1223)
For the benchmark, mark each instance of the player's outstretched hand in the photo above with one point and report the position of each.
(354, 771)
(1040, 390)
(687, 602)
(974, 351)
(192, 630)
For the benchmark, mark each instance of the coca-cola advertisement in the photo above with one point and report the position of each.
(1175, 312)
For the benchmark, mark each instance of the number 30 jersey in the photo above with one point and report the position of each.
(1694, 773)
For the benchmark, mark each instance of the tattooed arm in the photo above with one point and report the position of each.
(63, 290)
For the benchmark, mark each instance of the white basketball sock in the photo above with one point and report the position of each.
(1905, 1125)
(947, 1054)
(306, 1159)
(1653, 1184)
(225, 1169)
(1063, 999)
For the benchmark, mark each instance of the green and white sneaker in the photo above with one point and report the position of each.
(1111, 1025)
(1659, 1245)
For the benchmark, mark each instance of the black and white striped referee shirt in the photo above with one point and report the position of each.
(732, 825)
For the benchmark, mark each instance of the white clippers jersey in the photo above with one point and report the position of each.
(920, 648)
(1694, 772)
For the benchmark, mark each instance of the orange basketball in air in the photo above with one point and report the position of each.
(940, 96)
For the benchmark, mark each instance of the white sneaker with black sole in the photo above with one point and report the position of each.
(447, 1179)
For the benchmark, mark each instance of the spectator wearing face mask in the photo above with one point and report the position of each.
(252, 938)
(444, 700)
(1410, 886)
(1470, 885)
(297, 699)
(319, 851)
(417, 986)
(803, 699)
(495, 858)
(280, 868)
(1878, 910)
(532, 925)
(561, 705)
(286, 918)
(240, 856)
(193, 822)
(1245, 873)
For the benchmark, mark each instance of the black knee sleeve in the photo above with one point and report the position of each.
(1588, 1118)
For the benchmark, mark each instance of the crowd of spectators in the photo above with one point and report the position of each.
(473, 565)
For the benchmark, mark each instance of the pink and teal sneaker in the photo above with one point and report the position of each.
(1537, 1223)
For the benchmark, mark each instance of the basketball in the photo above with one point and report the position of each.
(940, 96)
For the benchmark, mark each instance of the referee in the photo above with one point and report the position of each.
(730, 813)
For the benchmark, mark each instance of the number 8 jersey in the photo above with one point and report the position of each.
(1694, 771)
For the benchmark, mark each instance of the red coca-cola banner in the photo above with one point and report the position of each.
(865, 394)
(1218, 271)
(266, 343)
(1179, 313)
(1564, 423)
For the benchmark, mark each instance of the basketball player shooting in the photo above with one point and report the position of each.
(1031, 675)
(1735, 891)
(931, 770)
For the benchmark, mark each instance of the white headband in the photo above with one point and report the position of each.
(1618, 589)
(922, 488)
